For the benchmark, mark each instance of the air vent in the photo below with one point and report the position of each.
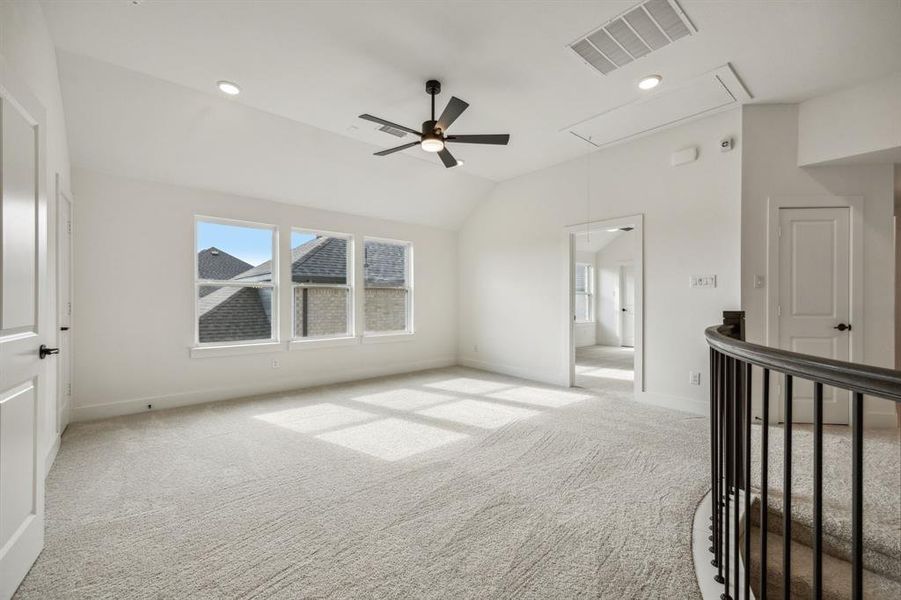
(639, 31)
(393, 131)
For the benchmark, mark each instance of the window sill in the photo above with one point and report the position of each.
(236, 349)
(322, 343)
(384, 338)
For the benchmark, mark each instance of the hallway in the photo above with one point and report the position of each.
(607, 368)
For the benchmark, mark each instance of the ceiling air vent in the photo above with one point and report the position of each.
(639, 31)
(393, 131)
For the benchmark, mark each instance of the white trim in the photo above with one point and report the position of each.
(51, 456)
(548, 376)
(408, 285)
(235, 349)
(323, 342)
(61, 311)
(256, 388)
(387, 337)
(855, 204)
(637, 222)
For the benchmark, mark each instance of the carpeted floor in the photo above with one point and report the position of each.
(605, 368)
(444, 484)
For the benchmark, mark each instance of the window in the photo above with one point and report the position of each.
(322, 280)
(235, 282)
(584, 293)
(388, 294)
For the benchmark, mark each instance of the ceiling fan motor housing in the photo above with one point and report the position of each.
(433, 87)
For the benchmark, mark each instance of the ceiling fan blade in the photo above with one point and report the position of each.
(397, 149)
(499, 139)
(453, 110)
(447, 158)
(390, 124)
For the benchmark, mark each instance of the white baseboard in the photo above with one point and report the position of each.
(138, 405)
(689, 405)
(50, 458)
(542, 376)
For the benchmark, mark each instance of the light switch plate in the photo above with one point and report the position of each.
(702, 281)
(694, 378)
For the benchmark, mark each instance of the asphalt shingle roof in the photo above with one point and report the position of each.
(214, 263)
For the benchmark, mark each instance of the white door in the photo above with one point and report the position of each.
(64, 300)
(22, 261)
(814, 298)
(627, 305)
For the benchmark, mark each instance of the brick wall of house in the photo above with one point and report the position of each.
(385, 310)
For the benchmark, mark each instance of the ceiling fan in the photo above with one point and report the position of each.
(432, 138)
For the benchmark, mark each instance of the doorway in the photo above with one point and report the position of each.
(813, 308)
(605, 323)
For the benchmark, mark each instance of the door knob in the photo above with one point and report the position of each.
(43, 351)
(842, 327)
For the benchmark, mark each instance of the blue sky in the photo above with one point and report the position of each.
(250, 244)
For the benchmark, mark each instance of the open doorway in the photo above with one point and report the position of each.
(605, 290)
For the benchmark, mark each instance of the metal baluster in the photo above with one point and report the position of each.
(727, 459)
(857, 496)
(720, 417)
(787, 494)
(817, 491)
(748, 373)
(713, 454)
(736, 472)
(764, 476)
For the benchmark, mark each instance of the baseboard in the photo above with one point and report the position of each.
(137, 405)
(688, 405)
(50, 458)
(542, 376)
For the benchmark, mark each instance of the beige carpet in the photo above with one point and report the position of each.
(605, 368)
(444, 484)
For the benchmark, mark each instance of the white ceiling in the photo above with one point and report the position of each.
(324, 63)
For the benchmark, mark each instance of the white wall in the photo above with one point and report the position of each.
(769, 168)
(134, 265)
(861, 123)
(514, 254)
(584, 334)
(28, 51)
(609, 259)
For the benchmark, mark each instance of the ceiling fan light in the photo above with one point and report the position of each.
(650, 82)
(432, 144)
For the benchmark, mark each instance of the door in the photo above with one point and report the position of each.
(64, 307)
(814, 298)
(627, 305)
(22, 264)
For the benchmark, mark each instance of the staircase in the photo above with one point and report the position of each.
(882, 514)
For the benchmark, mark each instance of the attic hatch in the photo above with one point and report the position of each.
(393, 131)
(637, 32)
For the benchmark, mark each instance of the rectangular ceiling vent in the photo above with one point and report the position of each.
(393, 130)
(639, 31)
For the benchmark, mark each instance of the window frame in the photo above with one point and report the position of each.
(263, 343)
(408, 286)
(588, 293)
(350, 257)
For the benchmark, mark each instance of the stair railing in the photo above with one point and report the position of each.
(732, 361)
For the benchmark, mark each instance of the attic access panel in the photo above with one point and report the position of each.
(717, 90)
(643, 29)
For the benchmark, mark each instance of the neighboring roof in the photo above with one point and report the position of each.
(234, 313)
(214, 263)
(384, 264)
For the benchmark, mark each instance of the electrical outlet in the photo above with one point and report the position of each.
(694, 378)
(759, 281)
(275, 364)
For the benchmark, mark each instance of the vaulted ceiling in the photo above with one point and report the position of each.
(139, 78)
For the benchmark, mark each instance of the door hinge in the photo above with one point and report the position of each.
(69, 308)
(68, 389)
(779, 232)
(68, 226)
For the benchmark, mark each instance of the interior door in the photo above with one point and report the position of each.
(814, 303)
(22, 259)
(64, 300)
(627, 307)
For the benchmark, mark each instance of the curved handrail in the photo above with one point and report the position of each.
(873, 381)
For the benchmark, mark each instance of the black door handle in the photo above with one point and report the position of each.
(64, 329)
(842, 327)
(43, 351)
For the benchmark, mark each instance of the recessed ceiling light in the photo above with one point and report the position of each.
(229, 88)
(460, 162)
(650, 82)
